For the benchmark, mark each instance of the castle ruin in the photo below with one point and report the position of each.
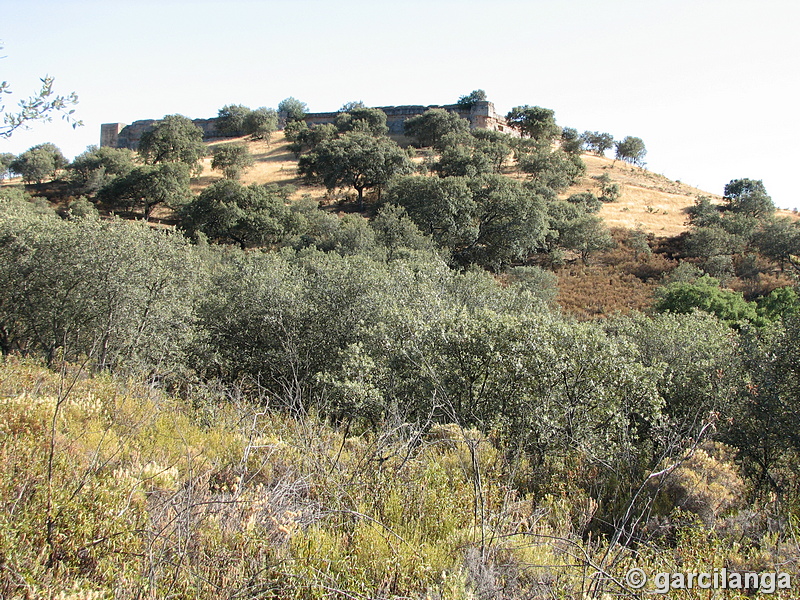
(481, 115)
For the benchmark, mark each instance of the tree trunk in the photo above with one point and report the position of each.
(360, 191)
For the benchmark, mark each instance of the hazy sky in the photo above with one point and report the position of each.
(711, 87)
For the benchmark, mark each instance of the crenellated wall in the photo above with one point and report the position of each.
(481, 115)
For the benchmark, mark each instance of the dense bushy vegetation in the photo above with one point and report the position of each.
(272, 400)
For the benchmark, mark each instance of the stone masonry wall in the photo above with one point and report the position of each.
(119, 135)
(482, 115)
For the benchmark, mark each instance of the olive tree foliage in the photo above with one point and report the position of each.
(38, 163)
(430, 128)
(461, 160)
(494, 145)
(231, 120)
(303, 138)
(586, 200)
(489, 220)
(364, 340)
(586, 235)
(82, 208)
(539, 282)
(358, 160)
(728, 236)
(261, 123)
(293, 109)
(573, 226)
(765, 413)
(469, 100)
(174, 139)
(748, 197)
(281, 319)
(714, 240)
(609, 191)
(235, 120)
(6, 158)
(352, 105)
(534, 122)
(115, 293)
(698, 362)
(397, 233)
(41, 106)
(148, 186)
(232, 160)
(571, 142)
(779, 239)
(631, 150)
(364, 120)
(547, 386)
(548, 167)
(229, 212)
(471, 155)
(97, 167)
(597, 142)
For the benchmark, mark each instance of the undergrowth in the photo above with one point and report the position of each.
(111, 489)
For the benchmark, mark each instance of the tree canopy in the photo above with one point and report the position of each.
(232, 160)
(356, 160)
(748, 197)
(488, 220)
(6, 158)
(597, 142)
(294, 109)
(231, 119)
(366, 120)
(430, 128)
(174, 139)
(38, 163)
(96, 167)
(227, 211)
(261, 123)
(534, 122)
(469, 100)
(148, 186)
(631, 150)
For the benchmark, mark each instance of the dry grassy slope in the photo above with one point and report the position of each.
(647, 199)
(653, 201)
(274, 163)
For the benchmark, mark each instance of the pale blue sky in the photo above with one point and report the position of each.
(710, 86)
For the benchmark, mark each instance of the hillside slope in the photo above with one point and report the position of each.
(654, 202)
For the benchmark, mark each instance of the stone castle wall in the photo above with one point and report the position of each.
(120, 135)
(481, 115)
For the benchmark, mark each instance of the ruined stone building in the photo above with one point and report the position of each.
(481, 115)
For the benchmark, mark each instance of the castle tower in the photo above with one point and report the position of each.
(109, 134)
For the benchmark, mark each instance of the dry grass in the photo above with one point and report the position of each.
(592, 292)
(274, 163)
(647, 199)
(654, 202)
